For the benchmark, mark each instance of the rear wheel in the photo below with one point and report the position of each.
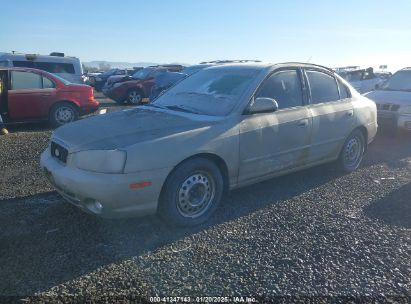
(191, 193)
(63, 113)
(135, 97)
(352, 152)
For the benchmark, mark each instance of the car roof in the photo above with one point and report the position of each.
(265, 65)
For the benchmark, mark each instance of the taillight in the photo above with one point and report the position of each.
(91, 97)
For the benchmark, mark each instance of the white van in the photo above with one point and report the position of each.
(56, 63)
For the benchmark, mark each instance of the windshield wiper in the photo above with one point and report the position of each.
(182, 109)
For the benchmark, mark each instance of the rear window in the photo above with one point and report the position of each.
(51, 67)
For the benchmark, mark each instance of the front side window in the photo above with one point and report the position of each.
(284, 87)
(323, 87)
(25, 81)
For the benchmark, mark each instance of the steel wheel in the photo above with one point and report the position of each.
(135, 97)
(64, 114)
(195, 195)
(353, 151)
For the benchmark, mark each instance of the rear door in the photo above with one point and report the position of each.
(332, 113)
(279, 141)
(29, 95)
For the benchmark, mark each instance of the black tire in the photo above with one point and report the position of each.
(57, 118)
(194, 178)
(135, 97)
(352, 152)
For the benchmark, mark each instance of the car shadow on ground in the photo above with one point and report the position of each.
(16, 127)
(43, 237)
(393, 209)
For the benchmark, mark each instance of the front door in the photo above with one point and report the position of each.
(30, 95)
(279, 141)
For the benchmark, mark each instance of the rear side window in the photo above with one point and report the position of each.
(47, 83)
(25, 81)
(284, 87)
(23, 64)
(54, 67)
(323, 87)
(51, 67)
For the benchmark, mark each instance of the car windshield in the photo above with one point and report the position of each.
(210, 92)
(400, 81)
(142, 74)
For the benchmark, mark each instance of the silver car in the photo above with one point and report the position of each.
(394, 101)
(224, 127)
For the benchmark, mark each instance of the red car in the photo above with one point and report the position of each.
(31, 94)
(138, 86)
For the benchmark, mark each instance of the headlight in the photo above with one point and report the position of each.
(117, 84)
(102, 161)
(405, 110)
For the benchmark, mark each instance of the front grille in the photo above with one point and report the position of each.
(58, 152)
(388, 107)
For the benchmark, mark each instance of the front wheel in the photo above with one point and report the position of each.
(352, 151)
(63, 113)
(191, 193)
(135, 97)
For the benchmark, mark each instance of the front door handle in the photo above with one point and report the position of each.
(350, 113)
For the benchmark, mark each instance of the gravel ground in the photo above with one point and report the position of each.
(311, 234)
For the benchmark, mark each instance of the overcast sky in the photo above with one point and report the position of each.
(332, 33)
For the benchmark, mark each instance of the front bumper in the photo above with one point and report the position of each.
(394, 120)
(106, 195)
(404, 122)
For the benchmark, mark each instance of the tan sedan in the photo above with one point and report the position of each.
(222, 128)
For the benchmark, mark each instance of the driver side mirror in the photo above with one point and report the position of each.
(262, 105)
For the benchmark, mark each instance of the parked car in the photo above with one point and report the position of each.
(98, 81)
(224, 127)
(66, 67)
(118, 78)
(164, 81)
(363, 80)
(393, 101)
(139, 87)
(37, 95)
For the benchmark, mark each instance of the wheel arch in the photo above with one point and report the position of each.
(137, 88)
(73, 103)
(217, 160)
(364, 131)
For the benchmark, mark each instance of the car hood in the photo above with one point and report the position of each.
(125, 128)
(386, 96)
